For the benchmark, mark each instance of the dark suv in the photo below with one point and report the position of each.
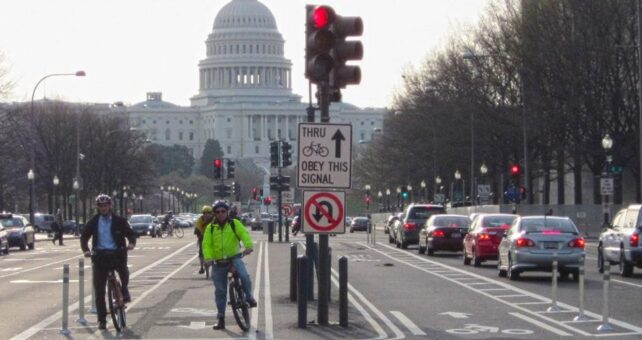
(407, 227)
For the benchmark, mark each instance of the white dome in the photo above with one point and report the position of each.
(244, 13)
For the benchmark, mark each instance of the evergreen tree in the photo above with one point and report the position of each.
(211, 152)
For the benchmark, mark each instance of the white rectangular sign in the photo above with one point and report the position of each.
(324, 156)
(606, 186)
(287, 196)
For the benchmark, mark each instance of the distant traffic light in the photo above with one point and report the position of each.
(515, 170)
(254, 194)
(286, 154)
(318, 42)
(261, 193)
(218, 165)
(274, 154)
(230, 168)
(268, 200)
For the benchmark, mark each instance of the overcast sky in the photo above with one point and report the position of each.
(131, 47)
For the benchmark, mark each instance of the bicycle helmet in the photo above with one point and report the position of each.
(103, 198)
(207, 209)
(220, 204)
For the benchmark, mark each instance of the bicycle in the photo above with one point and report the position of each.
(170, 229)
(115, 297)
(315, 148)
(236, 299)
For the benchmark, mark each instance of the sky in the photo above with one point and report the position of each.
(130, 47)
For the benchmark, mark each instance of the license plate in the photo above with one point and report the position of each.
(455, 235)
(550, 245)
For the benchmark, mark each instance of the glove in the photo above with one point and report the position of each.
(247, 251)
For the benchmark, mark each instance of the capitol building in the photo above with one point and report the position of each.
(245, 97)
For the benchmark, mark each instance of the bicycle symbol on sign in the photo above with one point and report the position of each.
(316, 149)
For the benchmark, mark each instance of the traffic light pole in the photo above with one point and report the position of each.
(324, 268)
(278, 202)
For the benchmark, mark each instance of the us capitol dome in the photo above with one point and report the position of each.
(244, 97)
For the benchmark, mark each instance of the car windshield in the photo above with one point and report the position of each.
(140, 219)
(360, 221)
(547, 225)
(12, 222)
(452, 222)
(423, 213)
(498, 221)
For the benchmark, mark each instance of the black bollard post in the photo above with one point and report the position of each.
(322, 311)
(343, 291)
(293, 272)
(309, 252)
(270, 226)
(302, 302)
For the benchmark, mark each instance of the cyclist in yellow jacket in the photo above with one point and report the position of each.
(199, 228)
(221, 244)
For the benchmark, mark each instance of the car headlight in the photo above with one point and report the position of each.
(150, 227)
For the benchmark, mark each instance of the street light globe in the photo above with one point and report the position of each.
(56, 181)
(409, 187)
(140, 197)
(398, 190)
(457, 175)
(438, 180)
(483, 169)
(76, 186)
(162, 188)
(423, 184)
(125, 194)
(607, 142)
(379, 194)
(30, 175)
(387, 192)
(115, 193)
(367, 187)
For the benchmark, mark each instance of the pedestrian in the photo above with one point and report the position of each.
(57, 228)
(221, 245)
(549, 212)
(111, 238)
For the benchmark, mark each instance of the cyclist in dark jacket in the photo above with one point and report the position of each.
(109, 234)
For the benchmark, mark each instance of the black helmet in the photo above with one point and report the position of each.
(103, 198)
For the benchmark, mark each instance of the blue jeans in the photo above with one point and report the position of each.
(219, 277)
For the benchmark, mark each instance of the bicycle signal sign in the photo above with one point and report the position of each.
(324, 156)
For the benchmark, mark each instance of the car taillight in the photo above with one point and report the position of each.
(438, 233)
(524, 242)
(409, 226)
(483, 237)
(577, 243)
(635, 239)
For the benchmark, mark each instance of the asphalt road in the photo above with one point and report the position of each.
(393, 293)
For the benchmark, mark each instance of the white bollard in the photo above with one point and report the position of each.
(581, 316)
(81, 292)
(65, 300)
(605, 326)
(554, 307)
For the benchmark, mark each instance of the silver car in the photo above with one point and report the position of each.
(620, 242)
(532, 242)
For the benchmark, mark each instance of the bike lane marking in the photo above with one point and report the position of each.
(269, 324)
(540, 324)
(412, 327)
(254, 323)
(33, 330)
(543, 300)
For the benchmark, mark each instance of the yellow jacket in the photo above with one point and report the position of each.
(220, 243)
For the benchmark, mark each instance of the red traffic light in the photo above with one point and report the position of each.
(218, 163)
(515, 170)
(254, 191)
(322, 17)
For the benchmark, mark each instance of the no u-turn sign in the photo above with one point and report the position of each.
(324, 212)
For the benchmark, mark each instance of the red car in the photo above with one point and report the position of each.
(486, 232)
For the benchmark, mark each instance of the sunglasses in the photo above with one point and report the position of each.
(103, 205)
(220, 211)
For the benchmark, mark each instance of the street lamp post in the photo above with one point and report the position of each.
(457, 178)
(30, 177)
(380, 197)
(56, 182)
(387, 199)
(76, 187)
(483, 169)
(124, 197)
(367, 198)
(114, 194)
(141, 204)
(162, 189)
(400, 200)
(607, 144)
(424, 194)
(410, 198)
(438, 187)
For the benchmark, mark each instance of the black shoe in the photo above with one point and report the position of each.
(201, 271)
(252, 304)
(126, 297)
(102, 325)
(220, 324)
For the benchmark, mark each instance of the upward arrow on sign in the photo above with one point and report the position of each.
(338, 138)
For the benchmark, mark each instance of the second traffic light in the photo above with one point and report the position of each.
(286, 154)
(274, 154)
(231, 165)
(218, 168)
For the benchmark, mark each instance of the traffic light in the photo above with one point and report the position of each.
(274, 154)
(404, 194)
(515, 170)
(522, 193)
(268, 200)
(285, 183)
(318, 42)
(281, 183)
(254, 194)
(344, 51)
(274, 183)
(218, 167)
(286, 154)
(261, 193)
(233, 187)
(230, 168)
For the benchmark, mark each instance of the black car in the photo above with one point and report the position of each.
(407, 228)
(359, 224)
(144, 225)
(18, 231)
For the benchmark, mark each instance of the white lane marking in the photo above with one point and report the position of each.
(412, 327)
(546, 300)
(540, 324)
(626, 283)
(532, 303)
(615, 334)
(509, 295)
(31, 331)
(480, 283)
(11, 269)
(581, 321)
(269, 324)
(492, 289)
(38, 267)
(254, 322)
(41, 281)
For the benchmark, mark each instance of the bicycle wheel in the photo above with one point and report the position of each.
(179, 232)
(307, 151)
(323, 151)
(164, 232)
(239, 304)
(116, 305)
